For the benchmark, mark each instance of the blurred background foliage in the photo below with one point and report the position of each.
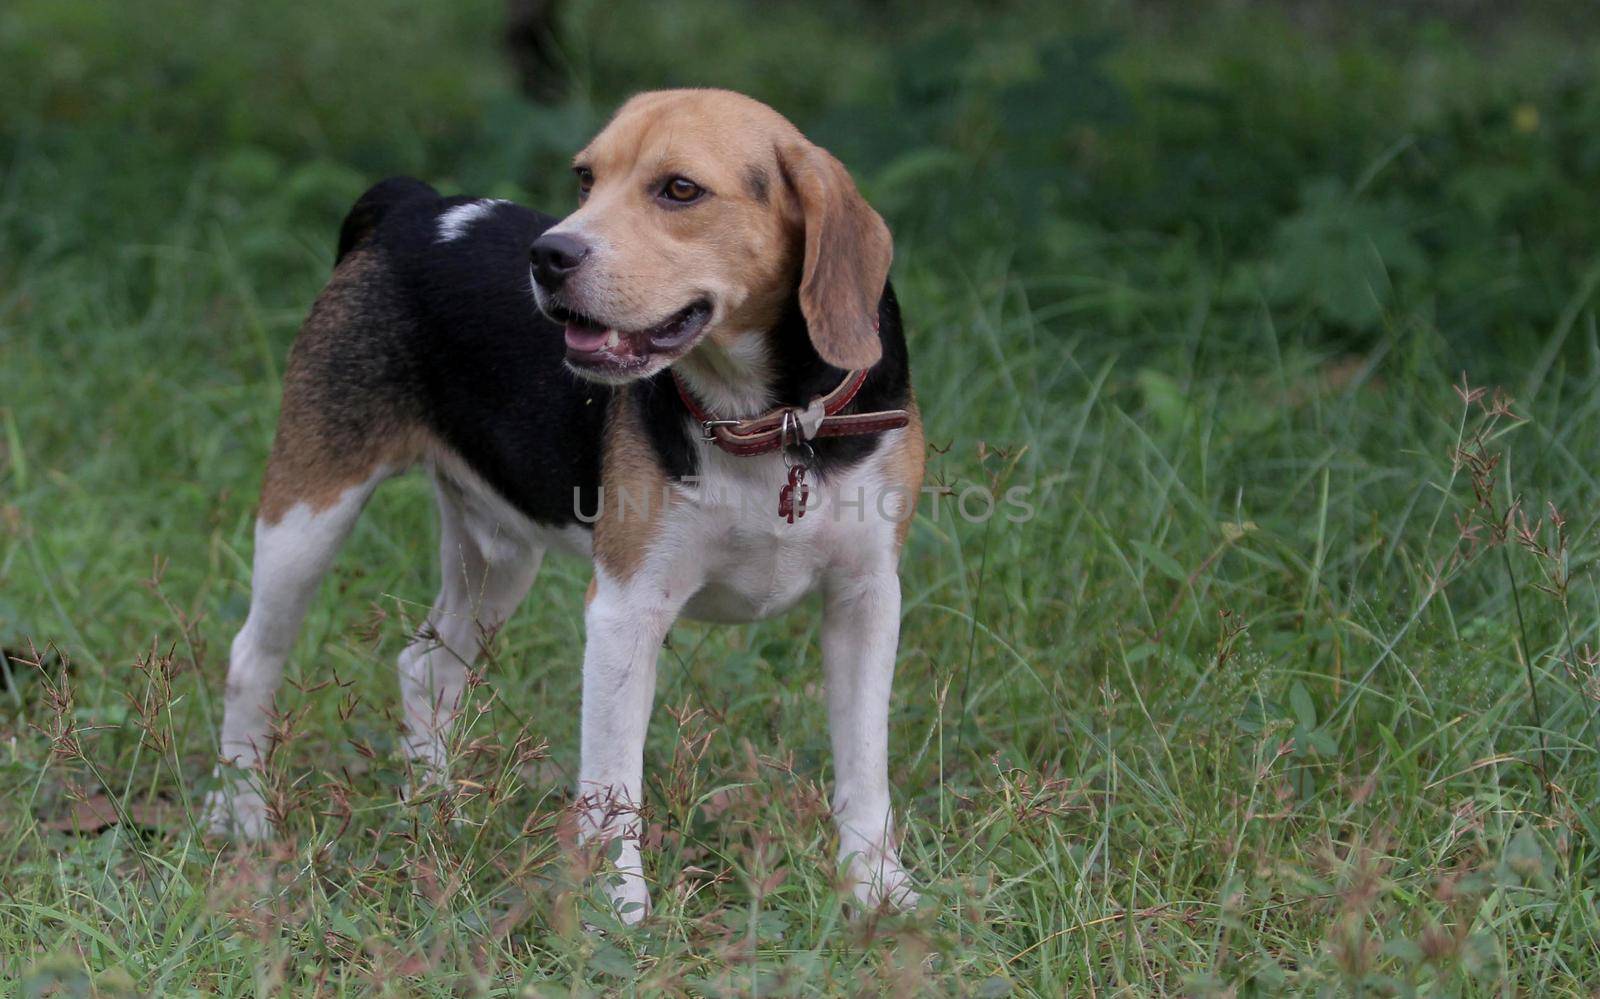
(1351, 166)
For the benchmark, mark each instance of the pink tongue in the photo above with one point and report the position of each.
(586, 340)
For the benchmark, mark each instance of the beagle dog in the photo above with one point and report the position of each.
(698, 379)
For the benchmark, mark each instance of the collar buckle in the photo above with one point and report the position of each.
(710, 428)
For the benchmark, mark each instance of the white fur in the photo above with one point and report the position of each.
(624, 627)
(732, 382)
(291, 557)
(488, 556)
(454, 222)
(723, 553)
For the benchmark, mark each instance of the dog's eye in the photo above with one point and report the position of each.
(681, 190)
(585, 179)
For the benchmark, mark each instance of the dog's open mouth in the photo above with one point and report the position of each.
(594, 346)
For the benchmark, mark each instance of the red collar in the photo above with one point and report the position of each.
(792, 425)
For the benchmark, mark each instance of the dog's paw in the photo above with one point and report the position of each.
(237, 810)
(881, 885)
(629, 897)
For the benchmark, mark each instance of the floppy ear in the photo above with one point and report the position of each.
(847, 255)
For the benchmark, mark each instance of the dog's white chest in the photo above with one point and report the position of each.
(756, 575)
(754, 563)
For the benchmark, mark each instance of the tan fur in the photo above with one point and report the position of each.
(330, 438)
(634, 496)
(905, 467)
(847, 255)
(778, 207)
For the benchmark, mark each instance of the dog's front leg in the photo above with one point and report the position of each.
(625, 627)
(860, 633)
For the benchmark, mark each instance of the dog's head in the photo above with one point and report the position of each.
(700, 213)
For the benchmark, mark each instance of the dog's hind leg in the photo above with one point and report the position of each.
(485, 570)
(343, 429)
(292, 554)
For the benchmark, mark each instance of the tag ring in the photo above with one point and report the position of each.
(792, 440)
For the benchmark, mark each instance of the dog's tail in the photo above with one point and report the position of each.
(371, 207)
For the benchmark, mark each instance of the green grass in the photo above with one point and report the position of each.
(1246, 705)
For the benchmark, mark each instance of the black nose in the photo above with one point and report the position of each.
(555, 256)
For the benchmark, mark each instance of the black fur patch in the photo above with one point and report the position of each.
(476, 360)
(371, 207)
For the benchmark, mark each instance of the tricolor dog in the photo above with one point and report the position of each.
(698, 379)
